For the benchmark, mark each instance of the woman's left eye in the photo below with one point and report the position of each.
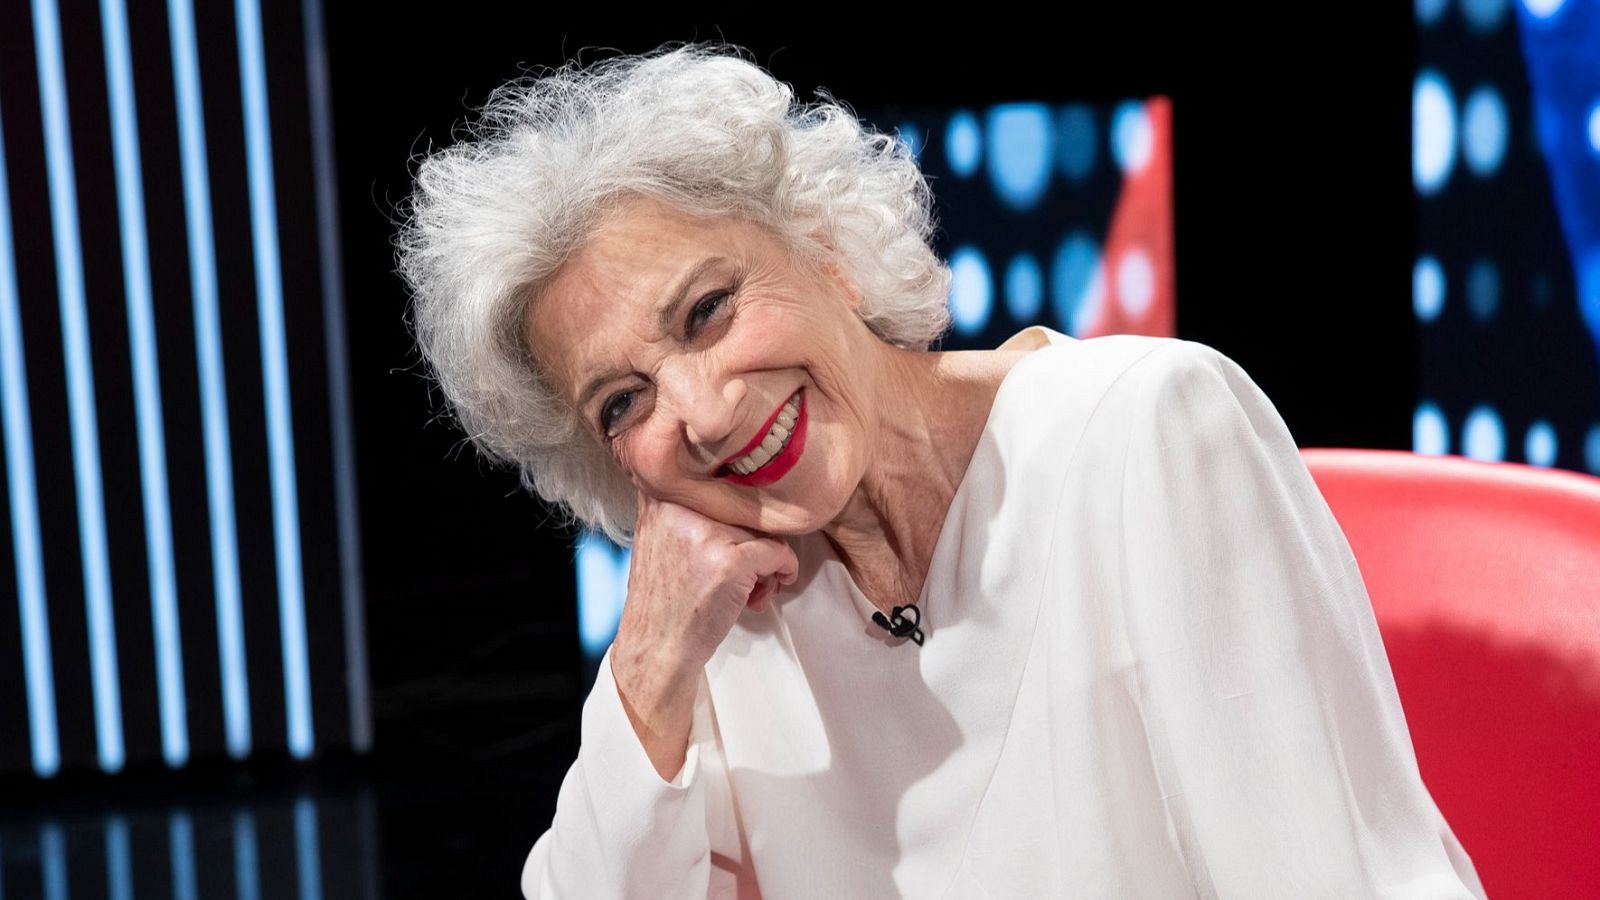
(709, 306)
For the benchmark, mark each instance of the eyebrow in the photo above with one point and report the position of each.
(664, 320)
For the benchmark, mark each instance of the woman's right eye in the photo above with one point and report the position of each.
(613, 408)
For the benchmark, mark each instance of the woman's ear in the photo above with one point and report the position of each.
(834, 271)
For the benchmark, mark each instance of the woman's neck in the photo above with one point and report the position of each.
(933, 407)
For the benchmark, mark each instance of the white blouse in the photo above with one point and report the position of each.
(1150, 669)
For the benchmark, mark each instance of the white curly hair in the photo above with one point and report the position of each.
(697, 126)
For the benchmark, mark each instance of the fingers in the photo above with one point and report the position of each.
(771, 556)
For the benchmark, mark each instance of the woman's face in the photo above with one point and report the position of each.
(678, 339)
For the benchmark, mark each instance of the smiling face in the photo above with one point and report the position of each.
(678, 339)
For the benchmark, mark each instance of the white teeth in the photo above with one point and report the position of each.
(774, 442)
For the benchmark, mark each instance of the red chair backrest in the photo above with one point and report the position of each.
(1485, 579)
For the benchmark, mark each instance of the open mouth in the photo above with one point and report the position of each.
(771, 444)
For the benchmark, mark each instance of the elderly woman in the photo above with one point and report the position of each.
(1068, 618)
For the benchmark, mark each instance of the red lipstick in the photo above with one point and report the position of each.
(779, 465)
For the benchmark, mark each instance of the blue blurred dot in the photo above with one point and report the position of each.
(971, 290)
(1132, 136)
(1077, 141)
(1589, 289)
(1484, 15)
(1543, 9)
(1024, 288)
(1594, 127)
(912, 135)
(1429, 11)
(1430, 431)
(1483, 289)
(602, 590)
(1433, 132)
(962, 143)
(1482, 436)
(1427, 288)
(1539, 447)
(1483, 131)
(1019, 152)
(1591, 449)
(1076, 282)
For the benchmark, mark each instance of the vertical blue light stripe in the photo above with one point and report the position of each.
(80, 386)
(53, 861)
(246, 870)
(119, 860)
(308, 856)
(340, 406)
(146, 385)
(213, 381)
(25, 537)
(180, 841)
(275, 371)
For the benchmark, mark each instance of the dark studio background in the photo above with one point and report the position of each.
(1295, 237)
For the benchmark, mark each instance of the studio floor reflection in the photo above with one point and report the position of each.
(303, 847)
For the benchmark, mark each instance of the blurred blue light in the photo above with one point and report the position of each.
(246, 856)
(1019, 152)
(1483, 289)
(1433, 132)
(602, 590)
(1427, 288)
(1429, 11)
(963, 142)
(1430, 431)
(119, 858)
(1543, 9)
(225, 577)
(53, 861)
(180, 841)
(1077, 141)
(1482, 436)
(1484, 128)
(26, 537)
(62, 178)
(971, 290)
(1077, 282)
(1594, 127)
(1132, 137)
(1484, 15)
(912, 135)
(1589, 288)
(1024, 288)
(1591, 449)
(275, 377)
(307, 856)
(1539, 448)
(147, 385)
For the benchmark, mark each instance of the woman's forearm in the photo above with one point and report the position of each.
(658, 693)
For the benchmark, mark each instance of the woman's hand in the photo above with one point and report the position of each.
(689, 580)
(691, 577)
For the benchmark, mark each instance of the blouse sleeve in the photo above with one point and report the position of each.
(1271, 711)
(620, 830)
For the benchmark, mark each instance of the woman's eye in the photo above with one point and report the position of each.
(615, 407)
(708, 306)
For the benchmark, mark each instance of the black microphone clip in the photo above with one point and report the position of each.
(898, 625)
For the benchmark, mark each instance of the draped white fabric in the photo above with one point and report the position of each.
(1150, 669)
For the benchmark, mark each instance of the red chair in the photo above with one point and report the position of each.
(1485, 578)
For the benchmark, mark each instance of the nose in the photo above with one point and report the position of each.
(707, 401)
